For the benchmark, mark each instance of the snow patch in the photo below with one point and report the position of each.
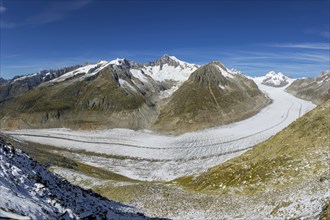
(125, 84)
(225, 73)
(85, 71)
(139, 75)
(117, 61)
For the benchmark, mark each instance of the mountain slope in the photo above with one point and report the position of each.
(293, 162)
(78, 102)
(211, 96)
(313, 89)
(29, 191)
(119, 93)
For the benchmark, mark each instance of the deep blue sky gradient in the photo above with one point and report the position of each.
(252, 36)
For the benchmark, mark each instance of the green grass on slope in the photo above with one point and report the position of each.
(300, 151)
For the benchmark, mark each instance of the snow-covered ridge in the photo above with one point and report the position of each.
(82, 72)
(225, 71)
(117, 61)
(29, 191)
(274, 79)
(24, 77)
(167, 68)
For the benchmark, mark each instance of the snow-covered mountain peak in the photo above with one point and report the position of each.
(118, 61)
(172, 61)
(274, 74)
(167, 68)
(275, 79)
(167, 59)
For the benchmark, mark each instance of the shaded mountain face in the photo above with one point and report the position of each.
(212, 95)
(2, 81)
(21, 84)
(275, 79)
(315, 89)
(30, 191)
(124, 94)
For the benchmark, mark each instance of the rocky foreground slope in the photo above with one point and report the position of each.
(315, 89)
(29, 191)
(125, 94)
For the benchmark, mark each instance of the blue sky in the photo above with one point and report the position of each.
(252, 36)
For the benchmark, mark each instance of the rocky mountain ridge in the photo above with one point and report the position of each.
(124, 94)
(25, 83)
(315, 89)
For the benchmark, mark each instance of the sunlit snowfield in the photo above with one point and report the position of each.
(146, 155)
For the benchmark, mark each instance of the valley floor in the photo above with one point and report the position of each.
(148, 156)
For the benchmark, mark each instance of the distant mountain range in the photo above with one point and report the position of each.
(167, 95)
